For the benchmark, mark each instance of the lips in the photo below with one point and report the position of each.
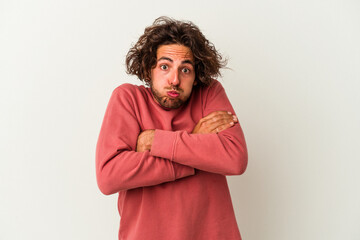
(173, 94)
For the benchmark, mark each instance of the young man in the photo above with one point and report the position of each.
(166, 148)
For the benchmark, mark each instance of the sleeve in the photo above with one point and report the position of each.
(118, 165)
(223, 153)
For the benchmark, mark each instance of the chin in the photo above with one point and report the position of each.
(171, 103)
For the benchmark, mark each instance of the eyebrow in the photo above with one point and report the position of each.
(170, 60)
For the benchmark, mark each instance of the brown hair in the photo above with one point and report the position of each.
(141, 58)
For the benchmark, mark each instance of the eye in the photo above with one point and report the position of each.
(186, 70)
(163, 67)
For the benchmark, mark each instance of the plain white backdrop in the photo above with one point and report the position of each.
(294, 83)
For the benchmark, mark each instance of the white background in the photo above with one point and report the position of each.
(294, 83)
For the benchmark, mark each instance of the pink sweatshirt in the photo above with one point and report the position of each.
(178, 190)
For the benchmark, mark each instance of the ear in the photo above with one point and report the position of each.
(195, 83)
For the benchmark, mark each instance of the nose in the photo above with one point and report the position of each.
(174, 78)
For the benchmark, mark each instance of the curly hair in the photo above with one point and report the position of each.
(141, 57)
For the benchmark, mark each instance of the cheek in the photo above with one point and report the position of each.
(188, 88)
(156, 79)
(159, 77)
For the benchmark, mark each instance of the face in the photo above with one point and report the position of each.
(173, 77)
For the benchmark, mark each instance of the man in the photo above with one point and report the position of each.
(165, 149)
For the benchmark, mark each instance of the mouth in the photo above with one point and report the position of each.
(173, 94)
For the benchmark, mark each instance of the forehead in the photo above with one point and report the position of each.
(175, 51)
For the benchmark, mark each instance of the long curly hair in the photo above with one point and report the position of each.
(141, 57)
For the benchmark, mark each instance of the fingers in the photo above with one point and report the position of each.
(219, 121)
(222, 124)
(145, 140)
(215, 122)
(216, 114)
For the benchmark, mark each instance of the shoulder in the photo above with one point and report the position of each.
(130, 91)
(213, 89)
(215, 98)
(215, 85)
(129, 95)
(127, 88)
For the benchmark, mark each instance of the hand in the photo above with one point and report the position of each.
(215, 122)
(145, 140)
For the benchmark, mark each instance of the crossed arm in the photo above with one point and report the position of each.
(125, 160)
(215, 122)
